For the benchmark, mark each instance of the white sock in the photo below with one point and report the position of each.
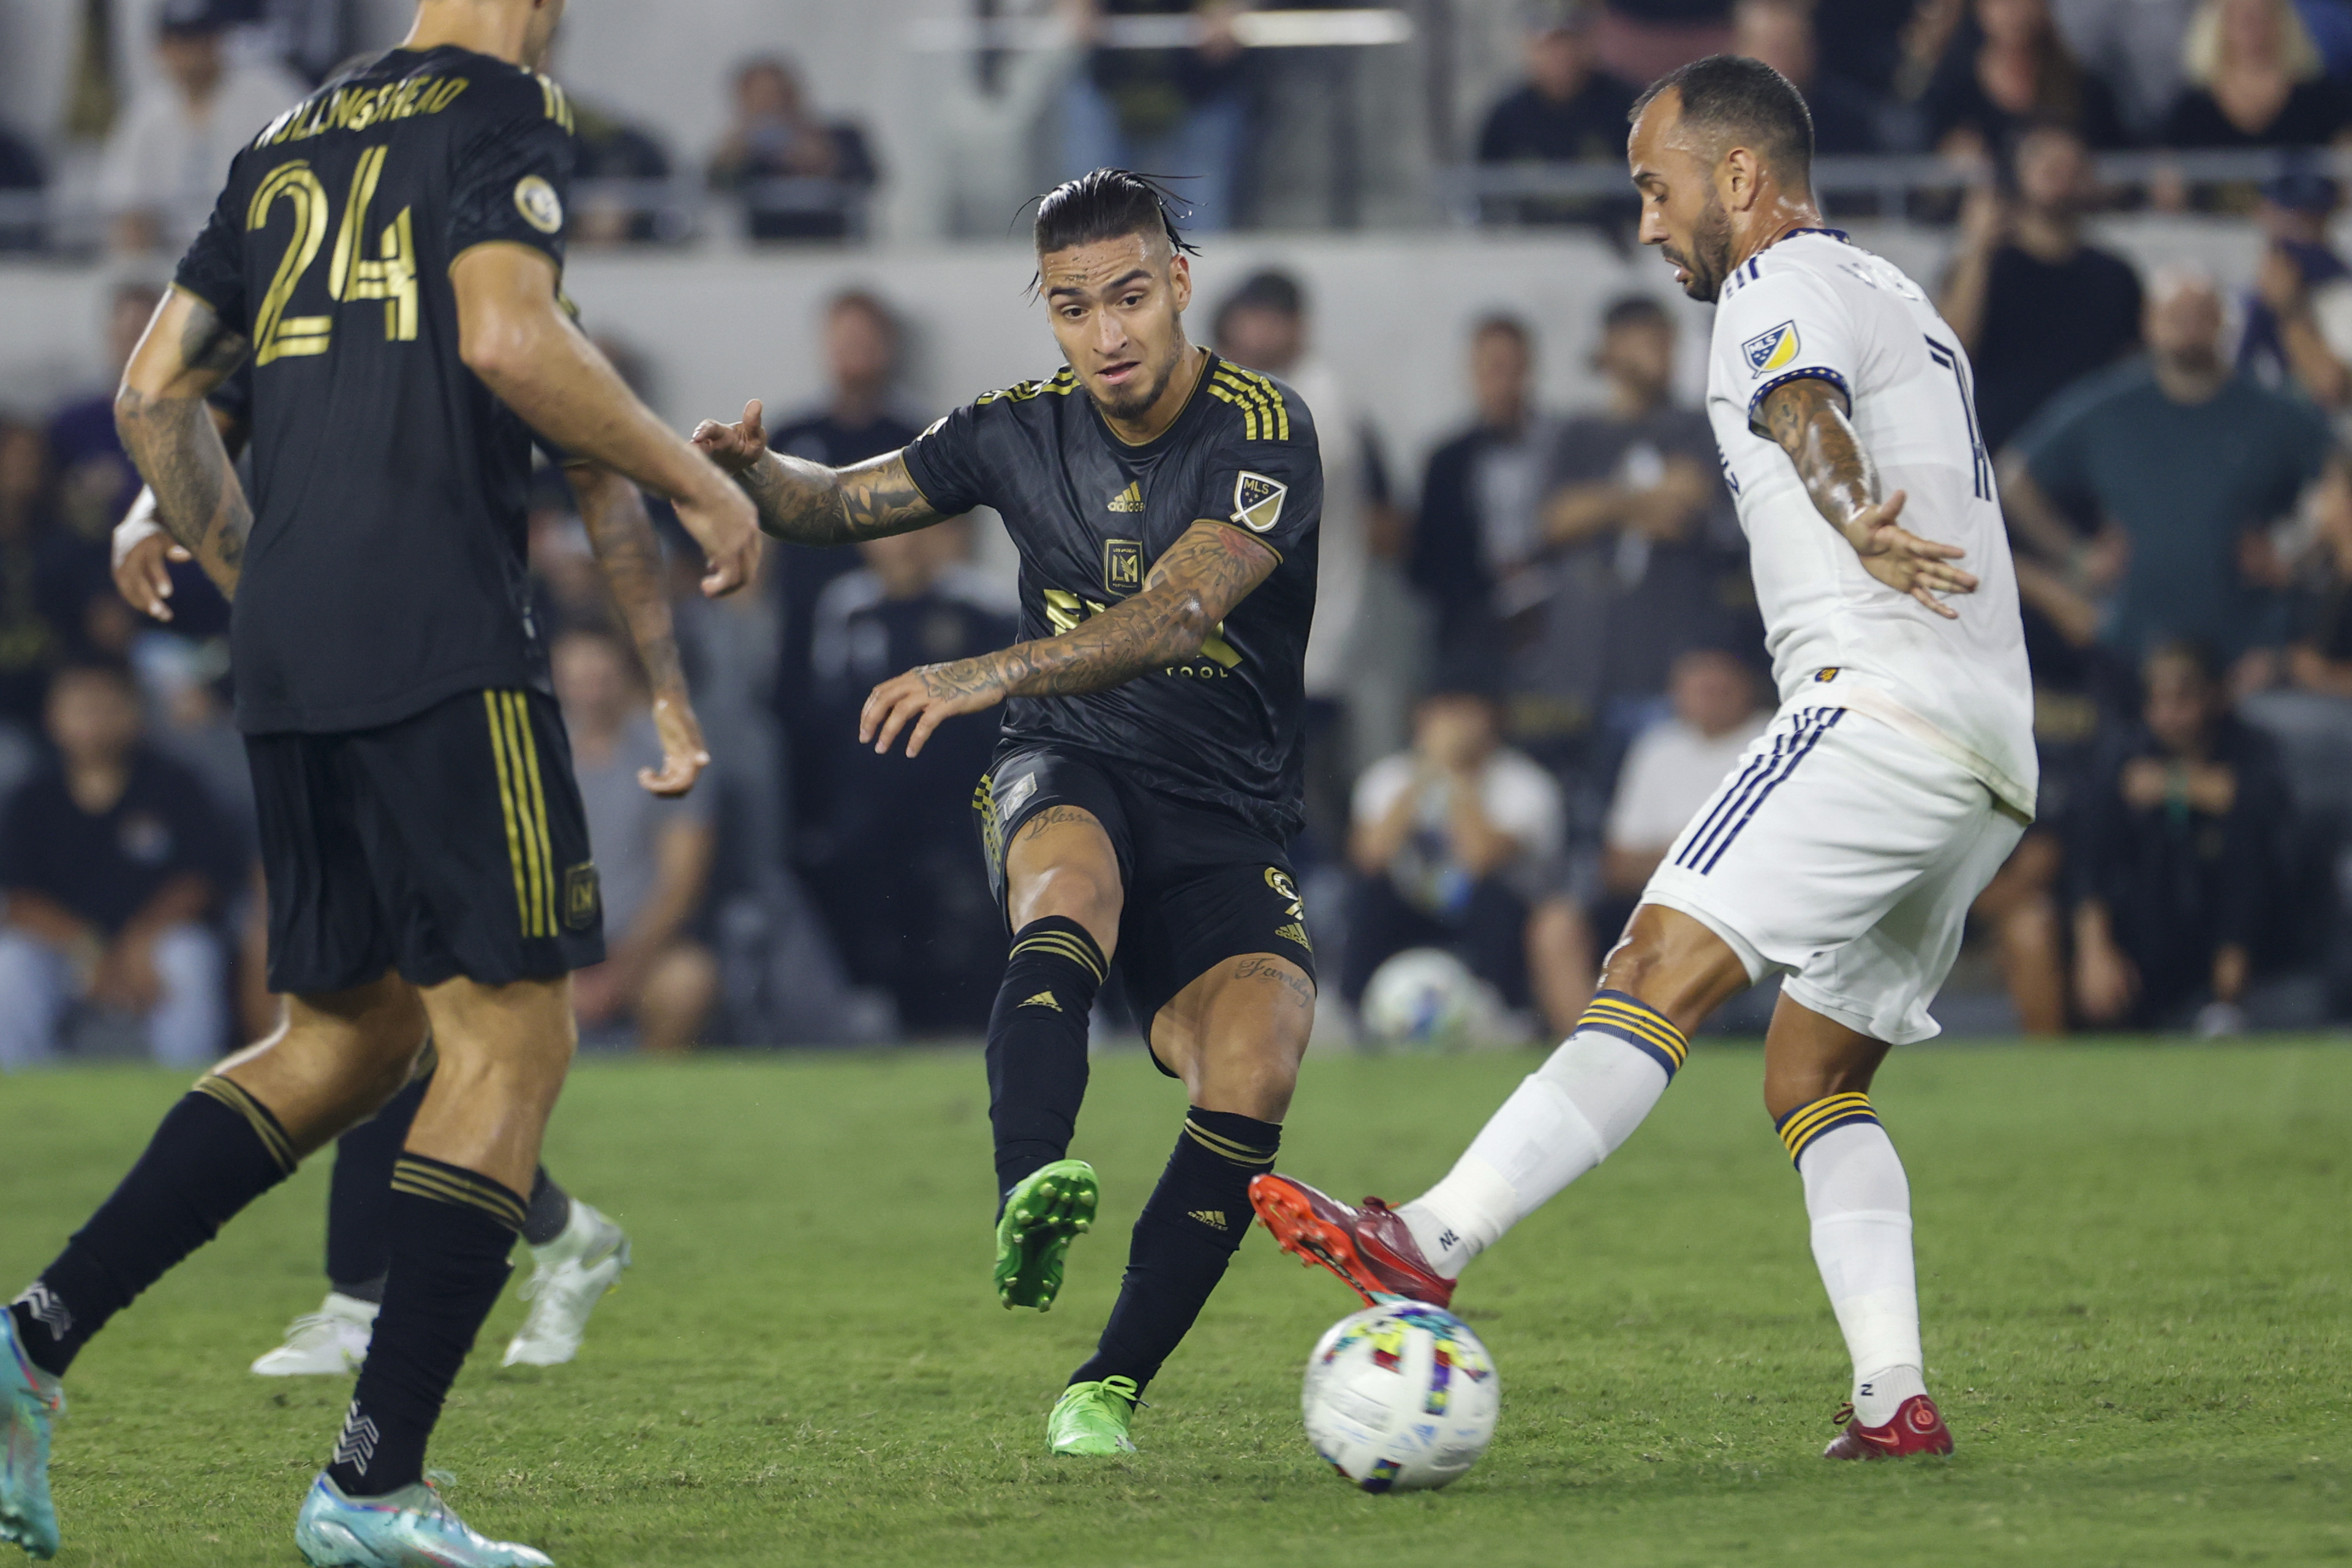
(1567, 1116)
(1861, 1207)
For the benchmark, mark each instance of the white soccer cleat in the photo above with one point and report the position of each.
(327, 1343)
(570, 1276)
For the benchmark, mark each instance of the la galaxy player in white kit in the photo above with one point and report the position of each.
(1844, 849)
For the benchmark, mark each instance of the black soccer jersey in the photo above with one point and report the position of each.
(1091, 513)
(386, 567)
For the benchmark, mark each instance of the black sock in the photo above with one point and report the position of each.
(216, 1151)
(1187, 1235)
(450, 1233)
(549, 1211)
(1037, 1045)
(358, 1196)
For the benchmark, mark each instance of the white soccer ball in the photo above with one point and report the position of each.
(1400, 1398)
(1422, 996)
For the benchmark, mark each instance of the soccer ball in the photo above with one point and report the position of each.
(1400, 1398)
(1422, 996)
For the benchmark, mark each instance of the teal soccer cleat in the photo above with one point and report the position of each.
(30, 1404)
(411, 1528)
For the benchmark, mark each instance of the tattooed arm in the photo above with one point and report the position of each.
(161, 414)
(807, 502)
(1191, 588)
(1808, 418)
(614, 513)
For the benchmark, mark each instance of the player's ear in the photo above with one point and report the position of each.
(1180, 281)
(1740, 179)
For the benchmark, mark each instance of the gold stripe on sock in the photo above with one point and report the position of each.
(1808, 1121)
(1083, 952)
(265, 1126)
(1651, 1025)
(456, 1187)
(1226, 1148)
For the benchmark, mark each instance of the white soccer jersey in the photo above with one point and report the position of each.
(1815, 305)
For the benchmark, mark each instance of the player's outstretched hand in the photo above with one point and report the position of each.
(737, 447)
(925, 697)
(1905, 561)
(683, 755)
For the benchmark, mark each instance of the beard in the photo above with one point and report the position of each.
(1136, 397)
(1709, 261)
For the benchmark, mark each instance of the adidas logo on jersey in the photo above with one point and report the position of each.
(1294, 931)
(1214, 1219)
(1043, 999)
(1130, 499)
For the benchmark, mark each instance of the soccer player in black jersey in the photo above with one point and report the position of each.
(387, 253)
(1165, 504)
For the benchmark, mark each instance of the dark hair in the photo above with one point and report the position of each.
(1746, 101)
(1634, 310)
(1502, 323)
(2197, 655)
(1107, 204)
(1268, 289)
(871, 303)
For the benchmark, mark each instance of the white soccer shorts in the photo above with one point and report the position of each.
(1844, 855)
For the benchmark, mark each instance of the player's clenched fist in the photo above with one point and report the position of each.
(734, 448)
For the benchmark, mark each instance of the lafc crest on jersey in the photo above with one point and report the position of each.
(1257, 501)
(1769, 352)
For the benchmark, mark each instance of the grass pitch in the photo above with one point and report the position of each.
(2135, 1265)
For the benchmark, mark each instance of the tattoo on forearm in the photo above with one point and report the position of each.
(1300, 988)
(178, 450)
(1204, 575)
(809, 503)
(626, 547)
(1807, 419)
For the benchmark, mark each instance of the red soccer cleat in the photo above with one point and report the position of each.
(1369, 1248)
(1918, 1429)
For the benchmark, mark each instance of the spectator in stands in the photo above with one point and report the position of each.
(169, 153)
(2298, 330)
(1642, 40)
(115, 862)
(1645, 554)
(2185, 462)
(1674, 766)
(891, 861)
(2009, 71)
(1452, 839)
(1480, 525)
(2179, 862)
(653, 855)
(1568, 110)
(2036, 307)
(22, 176)
(2135, 47)
(611, 149)
(863, 419)
(2320, 658)
(1177, 113)
(31, 639)
(1356, 690)
(95, 485)
(1846, 119)
(777, 138)
(2255, 80)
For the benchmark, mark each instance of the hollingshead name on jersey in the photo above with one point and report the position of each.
(1257, 501)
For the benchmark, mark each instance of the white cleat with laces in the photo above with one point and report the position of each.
(330, 1342)
(570, 1276)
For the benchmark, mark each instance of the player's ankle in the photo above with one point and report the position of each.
(1879, 1394)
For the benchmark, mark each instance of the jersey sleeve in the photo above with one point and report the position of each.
(512, 172)
(1265, 475)
(214, 268)
(947, 465)
(1786, 325)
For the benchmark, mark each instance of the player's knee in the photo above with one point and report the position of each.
(1086, 894)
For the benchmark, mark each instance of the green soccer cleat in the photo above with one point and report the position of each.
(1090, 1419)
(1043, 1212)
(30, 1404)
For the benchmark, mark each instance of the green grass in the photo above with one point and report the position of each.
(2135, 1264)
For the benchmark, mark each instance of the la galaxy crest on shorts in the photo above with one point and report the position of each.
(1770, 351)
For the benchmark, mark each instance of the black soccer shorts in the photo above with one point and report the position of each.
(1200, 884)
(449, 843)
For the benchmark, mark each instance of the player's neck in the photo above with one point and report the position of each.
(1776, 216)
(486, 26)
(1154, 422)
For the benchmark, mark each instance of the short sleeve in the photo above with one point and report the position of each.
(1786, 325)
(213, 268)
(512, 176)
(944, 461)
(1524, 802)
(1265, 475)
